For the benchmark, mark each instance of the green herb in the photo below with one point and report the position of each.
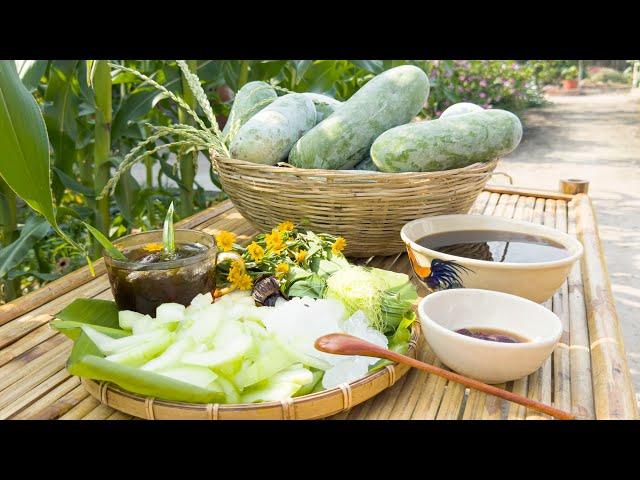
(168, 232)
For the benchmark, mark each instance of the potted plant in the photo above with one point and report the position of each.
(570, 77)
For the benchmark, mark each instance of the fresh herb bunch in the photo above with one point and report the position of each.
(288, 253)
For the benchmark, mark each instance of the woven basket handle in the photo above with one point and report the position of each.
(509, 177)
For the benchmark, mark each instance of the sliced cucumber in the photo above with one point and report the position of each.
(231, 352)
(295, 373)
(109, 345)
(199, 376)
(127, 319)
(231, 392)
(170, 313)
(172, 356)
(272, 392)
(141, 354)
(264, 367)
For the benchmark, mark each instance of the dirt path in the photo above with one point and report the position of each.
(594, 137)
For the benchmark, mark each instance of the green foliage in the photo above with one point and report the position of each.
(609, 75)
(570, 73)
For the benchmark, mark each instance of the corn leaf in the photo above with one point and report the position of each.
(24, 144)
(104, 241)
(34, 229)
(31, 71)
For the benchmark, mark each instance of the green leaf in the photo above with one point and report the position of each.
(126, 193)
(31, 71)
(168, 232)
(372, 66)
(106, 244)
(100, 314)
(61, 115)
(72, 184)
(313, 286)
(10, 256)
(24, 144)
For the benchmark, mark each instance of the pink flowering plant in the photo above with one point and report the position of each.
(504, 84)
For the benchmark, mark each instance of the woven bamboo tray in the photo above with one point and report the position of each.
(367, 208)
(317, 405)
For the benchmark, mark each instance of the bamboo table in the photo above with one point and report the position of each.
(587, 373)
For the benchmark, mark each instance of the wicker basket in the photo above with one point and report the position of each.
(317, 405)
(367, 208)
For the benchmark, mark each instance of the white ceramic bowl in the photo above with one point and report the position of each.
(535, 281)
(441, 313)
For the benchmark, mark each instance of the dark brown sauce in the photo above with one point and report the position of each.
(492, 335)
(154, 252)
(144, 290)
(495, 246)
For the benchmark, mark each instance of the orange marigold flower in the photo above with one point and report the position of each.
(236, 271)
(338, 245)
(286, 226)
(225, 240)
(153, 247)
(255, 251)
(243, 282)
(282, 269)
(300, 256)
(274, 241)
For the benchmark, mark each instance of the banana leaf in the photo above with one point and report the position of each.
(100, 314)
(87, 361)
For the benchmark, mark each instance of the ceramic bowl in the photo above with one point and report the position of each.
(441, 313)
(535, 281)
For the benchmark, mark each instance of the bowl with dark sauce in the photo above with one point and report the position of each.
(150, 276)
(491, 336)
(493, 253)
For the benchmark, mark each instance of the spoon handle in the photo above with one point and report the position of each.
(342, 344)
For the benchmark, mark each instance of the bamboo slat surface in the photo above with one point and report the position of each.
(587, 373)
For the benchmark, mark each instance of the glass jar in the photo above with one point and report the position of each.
(141, 287)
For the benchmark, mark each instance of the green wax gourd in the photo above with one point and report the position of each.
(268, 136)
(460, 109)
(446, 143)
(324, 104)
(250, 99)
(343, 139)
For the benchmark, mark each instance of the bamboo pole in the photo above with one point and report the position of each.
(102, 144)
(614, 395)
(580, 355)
(188, 161)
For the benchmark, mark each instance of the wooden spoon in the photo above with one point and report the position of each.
(343, 344)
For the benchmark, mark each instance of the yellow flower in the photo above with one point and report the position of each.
(282, 269)
(286, 226)
(153, 247)
(256, 252)
(300, 256)
(236, 271)
(338, 245)
(274, 241)
(225, 240)
(243, 282)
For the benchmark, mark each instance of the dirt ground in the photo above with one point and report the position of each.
(594, 137)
